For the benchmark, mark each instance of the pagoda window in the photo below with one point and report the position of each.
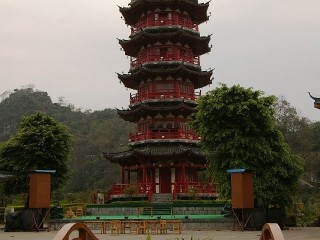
(185, 53)
(164, 86)
(163, 51)
(156, 17)
(143, 126)
(144, 89)
(186, 88)
(185, 126)
(159, 125)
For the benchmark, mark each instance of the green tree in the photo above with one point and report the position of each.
(40, 143)
(238, 130)
(302, 135)
(93, 133)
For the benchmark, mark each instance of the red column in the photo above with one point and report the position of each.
(183, 173)
(129, 176)
(144, 174)
(122, 175)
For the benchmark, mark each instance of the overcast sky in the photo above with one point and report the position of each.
(69, 49)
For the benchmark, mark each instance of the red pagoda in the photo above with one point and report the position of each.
(164, 48)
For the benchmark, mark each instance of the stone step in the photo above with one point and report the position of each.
(161, 209)
(162, 198)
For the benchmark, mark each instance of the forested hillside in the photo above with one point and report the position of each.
(93, 133)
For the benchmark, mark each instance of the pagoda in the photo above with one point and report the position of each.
(165, 74)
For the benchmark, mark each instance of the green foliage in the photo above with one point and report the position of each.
(148, 237)
(198, 202)
(116, 204)
(303, 137)
(193, 193)
(238, 130)
(93, 133)
(131, 190)
(22, 102)
(40, 143)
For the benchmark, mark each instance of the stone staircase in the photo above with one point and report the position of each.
(161, 203)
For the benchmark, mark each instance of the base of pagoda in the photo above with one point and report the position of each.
(189, 222)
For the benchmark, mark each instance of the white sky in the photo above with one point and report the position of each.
(69, 48)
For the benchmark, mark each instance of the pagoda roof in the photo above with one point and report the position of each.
(199, 78)
(316, 101)
(199, 45)
(145, 110)
(197, 11)
(157, 152)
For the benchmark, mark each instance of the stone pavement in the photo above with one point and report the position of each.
(291, 234)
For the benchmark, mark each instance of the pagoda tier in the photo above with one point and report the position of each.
(159, 154)
(165, 91)
(167, 37)
(132, 14)
(163, 71)
(147, 111)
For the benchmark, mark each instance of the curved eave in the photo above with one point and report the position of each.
(199, 78)
(163, 152)
(199, 45)
(143, 110)
(316, 101)
(197, 11)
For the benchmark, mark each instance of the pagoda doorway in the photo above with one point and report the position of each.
(165, 180)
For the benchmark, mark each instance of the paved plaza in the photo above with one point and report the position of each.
(291, 234)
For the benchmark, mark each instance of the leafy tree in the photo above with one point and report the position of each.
(93, 132)
(295, 129)
(238, 130)
(302, 135)
(40, 143)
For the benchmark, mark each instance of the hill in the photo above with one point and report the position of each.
(93, 133)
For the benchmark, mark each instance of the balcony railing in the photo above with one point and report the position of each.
(163, 94)
(123, 189)
(144, 188)
(151, 57)
(174, 21)
(164, 134)
(194, 188)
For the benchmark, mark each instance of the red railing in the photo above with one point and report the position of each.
(163, 134)
(163, 94)
(148, 56)
(195, 187)
(140, 188)
(122, 189)
(150, 21)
